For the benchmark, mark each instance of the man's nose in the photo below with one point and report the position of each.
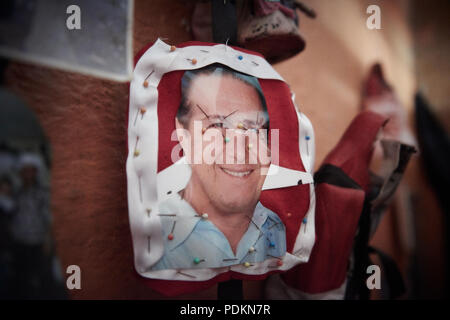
(241, 146)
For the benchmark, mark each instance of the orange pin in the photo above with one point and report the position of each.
(145, 84)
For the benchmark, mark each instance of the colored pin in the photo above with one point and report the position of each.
(136, 151)
(247, 264)
(172, 48)
(170, 237)
(227, 139)
(240, 57)
(205, 216)
(304, 221)
(251, 249)
(289, 214)
(307, 144)
(193, 60)
(145, 84)
(142, 111)
(197, 260)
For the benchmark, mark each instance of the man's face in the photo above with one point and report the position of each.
(223, 102)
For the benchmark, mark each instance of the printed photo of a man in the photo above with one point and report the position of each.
(217, 220)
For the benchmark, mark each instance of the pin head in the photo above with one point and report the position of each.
(251, 249)
(305, 220)
(170, 236)
(172, 48)
(194, 61)
(240, 57)
(196, 260)
(307, 138)
(279, 263)
(247, 264)
(145, 84)
(136, 153)
(205, 216)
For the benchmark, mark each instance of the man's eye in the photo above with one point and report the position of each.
(216, 125)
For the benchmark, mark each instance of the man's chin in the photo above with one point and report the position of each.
(238, 205)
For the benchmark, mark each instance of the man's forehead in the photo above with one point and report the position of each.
(223, 93)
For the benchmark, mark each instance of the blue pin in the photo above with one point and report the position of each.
(272, 244)
(307, 138)
(240, 57)
(305, 220)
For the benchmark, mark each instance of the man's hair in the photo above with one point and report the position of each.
(219, 70)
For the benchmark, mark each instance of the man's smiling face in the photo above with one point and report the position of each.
(224, 102)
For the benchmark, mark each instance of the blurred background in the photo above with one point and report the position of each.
(80, 101)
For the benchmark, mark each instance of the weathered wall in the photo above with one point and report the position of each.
(85, 121)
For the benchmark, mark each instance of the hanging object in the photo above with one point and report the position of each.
(268, 27)
(190, 240)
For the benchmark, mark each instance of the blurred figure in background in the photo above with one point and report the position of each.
(30, 229)
(29, 268)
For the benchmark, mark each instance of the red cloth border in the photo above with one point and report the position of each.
(338, 209)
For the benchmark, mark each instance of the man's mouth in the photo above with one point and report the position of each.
(239, 174)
